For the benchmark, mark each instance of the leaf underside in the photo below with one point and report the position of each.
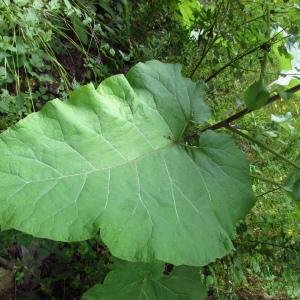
(134, 281)
(109, 159)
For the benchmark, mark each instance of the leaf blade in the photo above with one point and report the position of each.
(109, 159)
(146, 281)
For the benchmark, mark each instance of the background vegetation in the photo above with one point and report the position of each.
(48, 48)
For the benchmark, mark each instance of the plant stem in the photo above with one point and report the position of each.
(268, 192)
(207, 47)
(200, 60)
(265, 179)
(242, 55)
(259, 143)
(268, 180)
(265, 57)
(240, 114)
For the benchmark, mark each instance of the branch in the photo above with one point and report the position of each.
(242, 55)
(268, 180)
(259, 143)
(204, 53)
(238, 115)
(268, 192)
(207, 47)
(265, 57)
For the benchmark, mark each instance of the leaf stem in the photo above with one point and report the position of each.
(241, 113)
(265, 179)
(268, 192)
(268, 180)
(259, 143)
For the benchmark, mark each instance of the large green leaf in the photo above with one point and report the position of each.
(137, 281)
(113, 158)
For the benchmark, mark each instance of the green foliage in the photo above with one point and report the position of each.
(236, 33)
(186, 10)
(50, 47)
(46, 269)
(269, 237)
(284, 58)
(147, 281)
(256, 95)
(47, 47)
(156, 32)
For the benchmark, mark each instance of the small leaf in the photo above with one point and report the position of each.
(256, 95)
(138, 281)
(79, 29)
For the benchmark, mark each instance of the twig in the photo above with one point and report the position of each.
(268, 192)
(265, 57)
(242, 55)
(271, 181)
(274, 245)
(207, 47)
(259, 143)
